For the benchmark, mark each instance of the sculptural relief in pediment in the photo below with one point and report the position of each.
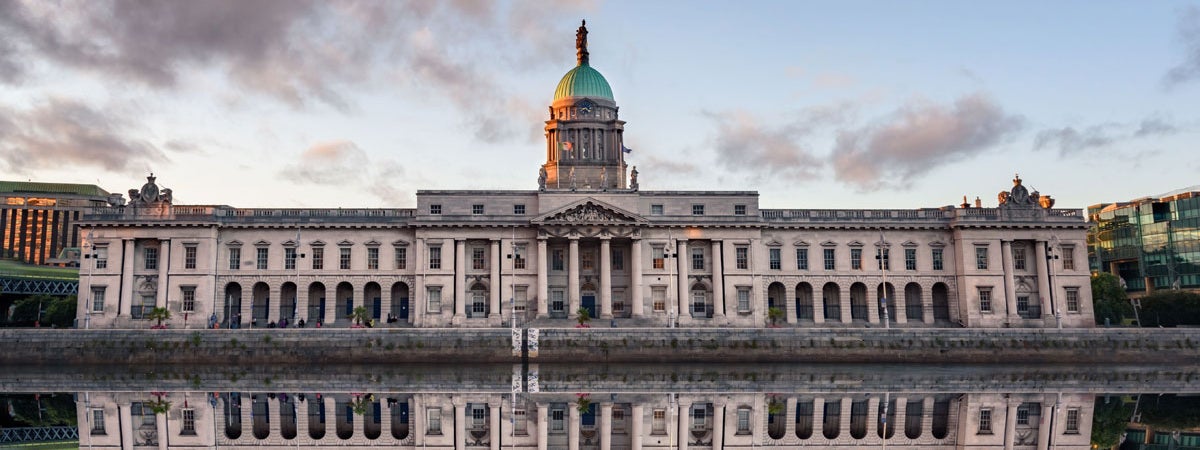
(589, 212)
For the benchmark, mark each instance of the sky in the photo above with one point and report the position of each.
(359, 104)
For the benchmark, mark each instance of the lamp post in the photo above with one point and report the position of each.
(669, 252)
(1051, 255)
(884, 262)
(89, 254)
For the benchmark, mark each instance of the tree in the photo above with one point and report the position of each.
(1109, 423)
(774, 315)
(159, 314)
(1171, 308)
(360, 315)
(1109, 301)
(60, 312)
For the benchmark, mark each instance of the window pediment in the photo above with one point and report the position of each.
(262, 243)
(800, 244)
(345, 243)
(774, 243)
(937, 244)
(400, 243)
(855, 243)
(829, 244)
(371, 243)
(234, 243)
(910, 244)
(317, 243)
(289, 243)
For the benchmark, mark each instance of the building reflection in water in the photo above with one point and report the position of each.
(593, 421)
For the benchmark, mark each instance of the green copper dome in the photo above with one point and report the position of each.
(583, 81)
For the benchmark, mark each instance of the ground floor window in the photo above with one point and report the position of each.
(141, 308)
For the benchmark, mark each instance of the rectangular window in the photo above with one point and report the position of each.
(557, 304)
(1018, 254)
(189, 422)
(697, 259)
(985, 299)
(739, 210)
(519, 210)
(883, 258)
(587, 260)
(98, 422)
(830, 262)
(401, 258)
(656, 210)
(435, 209)
(660, 254)
(802, 259)
(558, 419)
(1022, 304)
(697, 210)
(937, 259)
(189, 257)
(150, 257)
(141, 307)
(477, 258)
(235, 258)
(189, 298)
(344, 258)
(518, 257)
(520, 297)
(985, 421)
(477, 209)
(433, 417)
(1073, 299)
(659, 425)
(776, 259)
(743, 299)
(741, 257)
(520, 422)
(658, 297)
(910, 259)
(318, 261)
(981, 257)
(618, 301)
(434, 300)
(1072, 421)
(1068, 257)
(260, 258)
(289, 258)
(1023, 414)
(743, 421)
(557, 259)
(618, 259)
(373, 258)
(856, 259)
(98, 299)
(101, 257)
(435, 257)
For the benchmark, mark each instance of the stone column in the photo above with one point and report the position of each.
(543, 423)
(420, 422)
(927, 416)
(331, 415)
(874, 315)
(460, 424)
(844, 418)
(635, 268)
(126, 426)
(681, 279)
(606, 410)
(898, 424)
(718, 439)
(127, 277)
(844, 303)
(276, 292)
(789, 408)
(543, 283)
(685, 410)
(460, 281)
(635, 426)
(819, 417)
(1010, 423)
(494, 423)
(1043, 275)
(901, 309)
(160, 423)
(1043, 439)
(359, 423)
(274, 417)
(1010, 298)
(927, 303)
(788, 303)
(302, 419)
(606, 278)
(418, 294)
(718, 265)
(573, 276)
(301, 305)
(164, 263)
(873, 411)
(496, 285)
(331, 312)
(572, 427)
(818, 300)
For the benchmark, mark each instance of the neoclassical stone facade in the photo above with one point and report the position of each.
(588, 238)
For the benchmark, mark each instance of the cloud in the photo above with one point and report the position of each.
(918, 138)
(1070, 141)
(746, 143)
(60, 132)
(343, 164)
(1188, 34)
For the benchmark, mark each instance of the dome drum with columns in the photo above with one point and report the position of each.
(584, 136)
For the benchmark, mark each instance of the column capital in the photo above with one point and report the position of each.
(573, 237)
(605, 237)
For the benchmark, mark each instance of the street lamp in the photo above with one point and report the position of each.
(669, 252)
(1051, 255)
(89, 254)
(884, 262)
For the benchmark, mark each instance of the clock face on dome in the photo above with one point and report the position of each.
(585, 107)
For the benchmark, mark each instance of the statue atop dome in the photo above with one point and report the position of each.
(581, 51)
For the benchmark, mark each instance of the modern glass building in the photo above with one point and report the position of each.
(38, 221)
(1150, 243)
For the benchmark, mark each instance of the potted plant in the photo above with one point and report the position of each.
(583, 316)
(159, 314)
(775, 405)
(774, 315)
(360, 317)
(158, 405)
(584, 403)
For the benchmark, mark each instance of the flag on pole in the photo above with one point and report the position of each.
(626, 149)
(566, 146)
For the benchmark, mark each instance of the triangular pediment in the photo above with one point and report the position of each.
(800, 244)
(774, 243)
(400, 243)
(345, 243)
(855, 243)
(829, 244)
(288, 243)
(937, 244)
(910, 244)
(262, 243)
(371, 243)
(589, 211)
